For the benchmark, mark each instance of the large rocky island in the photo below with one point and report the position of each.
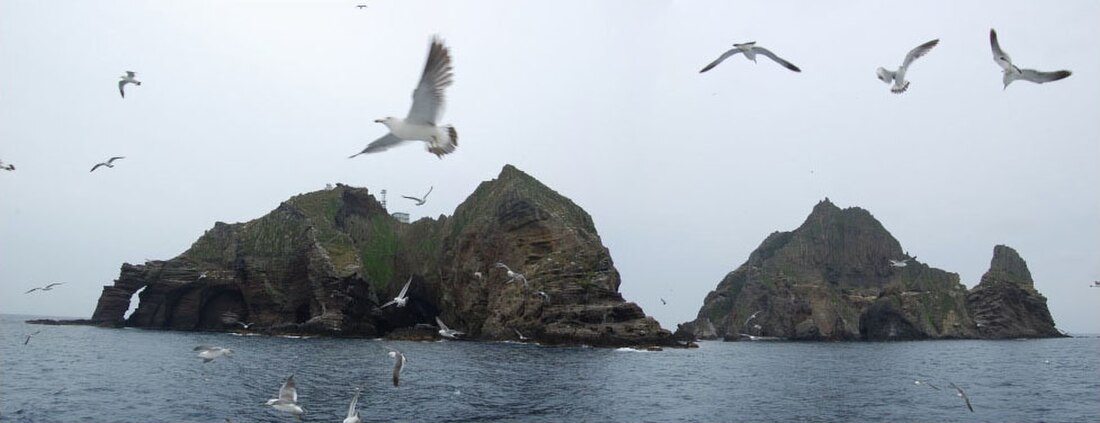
(324, 262)
(833, 279)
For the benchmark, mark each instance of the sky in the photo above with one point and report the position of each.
(246, 103)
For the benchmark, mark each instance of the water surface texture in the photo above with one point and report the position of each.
(74, 373)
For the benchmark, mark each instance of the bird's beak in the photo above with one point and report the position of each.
(378, 121)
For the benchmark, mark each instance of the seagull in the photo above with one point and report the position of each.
(420, 201)
(353, 409)
(288, 399)
(512, 276)
(202, 275)
(963, 395)
(898, 76)
(44, 288)
(899, 263)
(663, 301)
(420, 124)
(28, 340)
(128, 78)
(478, 276)
(401, 298)
(445, 331)
(544, 295)
(520, 335)
(6, 166)
(108, 163)
(751, 317)
(918, 382)
(1012, 73)
(398, 365)
(361, 6)
(208, 354)
(231, 318)
(1095, 284)
(750, 49)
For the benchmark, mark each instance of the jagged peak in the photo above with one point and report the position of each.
(1007, 267)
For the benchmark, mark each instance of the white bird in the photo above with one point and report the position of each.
(899, 263)
(963, 395)
(202, 275)
(750, 50)
(512, 276)
(398, 365)
(918, 382)
(353, 409)
(44, 288)
(108, 163)
(520, 335)
(6, 166)
(427, 108)
(751, 317)
(128, 78)
(422, 200)
(445, 331)
(288, 399)
(898, 76)
(208, 354)
(28, 340)
(478, 276)
(544, 295)
(231, 318)
(1011, 72)
(401, 298)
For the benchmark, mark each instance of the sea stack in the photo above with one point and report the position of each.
(1005, 303)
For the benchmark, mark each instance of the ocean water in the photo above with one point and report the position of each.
(75, 373)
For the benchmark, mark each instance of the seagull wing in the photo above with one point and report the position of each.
(964, 397)
(777, 59)
(921, 50)
(96, 167)
(352, 411)
(405, 289)
(54, 284)
(382, 144)
(1041, 77)
(32, 290)
(121, 91)
(411, 198)
(441, 324)
(999, 55)
(398, 365)
(112, 159)
(387, 304)
(429, 192)
(289, 391)
(428, 97)
(721, 58)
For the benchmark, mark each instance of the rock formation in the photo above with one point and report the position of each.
(323, 262)
(1005, 303)
(832, 279)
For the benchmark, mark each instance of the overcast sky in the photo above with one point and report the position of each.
(246, 103)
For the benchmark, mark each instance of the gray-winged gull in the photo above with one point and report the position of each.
(208, 353)
(48, 287)
(512, 276)
(288, 399)
(963, 395)
(750, 50)
(353, 409)
(1012, 72)
(420, 201)
(128, 78)
(898, 76)
(109, 163)
(398, 365)
(445, 331)
(401, 297)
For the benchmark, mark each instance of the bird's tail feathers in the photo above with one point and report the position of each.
(898, 90)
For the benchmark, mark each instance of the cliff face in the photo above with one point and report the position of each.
(323, 262)
(1005, 303)
(832, 279)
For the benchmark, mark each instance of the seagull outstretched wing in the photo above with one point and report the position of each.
(919, 51)
(428, 98)
(380, 144)
(721, 58)
(777, 59)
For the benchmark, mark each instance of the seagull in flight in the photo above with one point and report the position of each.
(231, 318)
(663, 301)
(422, 200)
(1096, 284)
(361, 6)
(478, 276)
(751, 317)
(353, 409)
(1012, 72)
(208, 354)
(128, 78)
(108, 163)
(427, 108)
(899, 263)
(520, 335)
(288, 399)
(898, 76)
(963, 395)
(398, 365)
(6, 166)
(28, 340)
(750, 50)
(401, 298)
(512, 276)
(447, 332)
(920, 382)
(44, 288)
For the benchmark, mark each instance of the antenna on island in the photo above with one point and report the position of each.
(384, 200)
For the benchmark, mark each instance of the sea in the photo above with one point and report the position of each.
(90, 374)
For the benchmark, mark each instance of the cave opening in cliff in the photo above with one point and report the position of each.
(135, 300)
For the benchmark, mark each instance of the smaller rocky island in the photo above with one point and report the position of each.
(323, 263)
(842, 276)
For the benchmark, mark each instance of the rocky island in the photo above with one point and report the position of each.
(323, 263)
(842, 276)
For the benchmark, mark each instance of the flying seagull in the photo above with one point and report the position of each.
(899, 263)
(44, 288)
(919, 382)
(422, 200)
(28, 340)
(445, 331)
(288, 399)
(361, 6)
(544, 295)
(751, 317)
(520, 335)
(512, 276)
(477, 275)
(1096, 284)
(750, 50)
(398, 365)
(108, 163)
(6, 166)
(128, 78)
(663, 301)
(898, 76)
(353, 409)
(208, 354)
(963, 395)
(427, 107)
(401, 298)
(1012, 72)
(231, 318)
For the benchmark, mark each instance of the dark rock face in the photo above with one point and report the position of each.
(831, 279)
(322, 263)
(1005, 304)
